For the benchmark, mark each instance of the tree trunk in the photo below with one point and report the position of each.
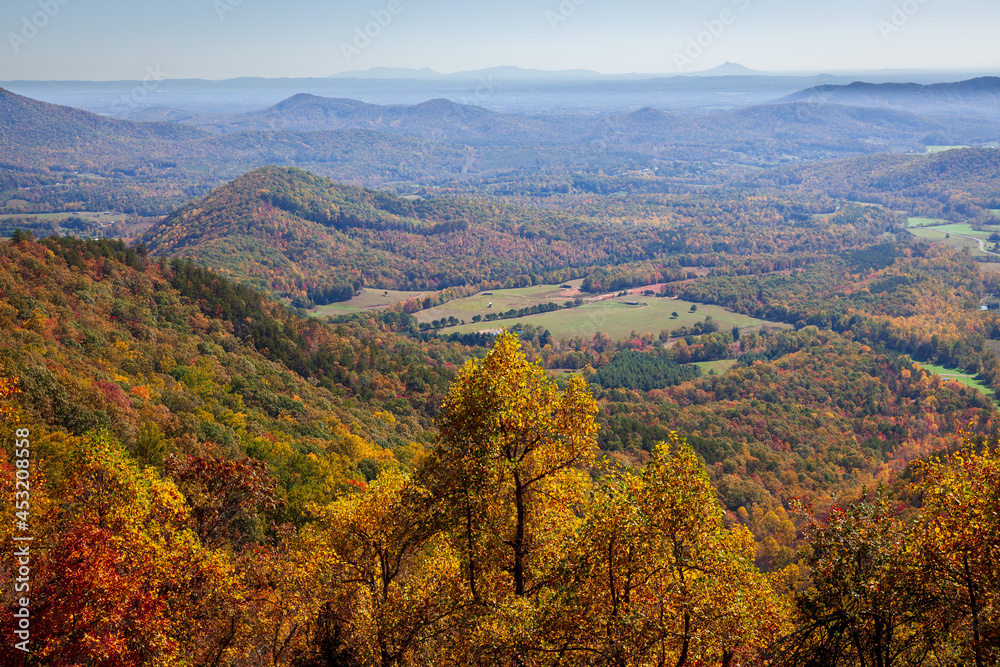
(519, 586)
(977, 647)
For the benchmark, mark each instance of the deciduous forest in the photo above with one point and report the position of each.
(304, 387)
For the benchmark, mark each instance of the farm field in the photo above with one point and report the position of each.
(940, 149)
(949, 235)
(988, 267)
(959, 375)
(720, 366)
(608, 314)
(88, 215)
(369, 299)
(925, 222)
(963, 228)
(502, 300)
(955, 242)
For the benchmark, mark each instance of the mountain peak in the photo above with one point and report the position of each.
(728, 69)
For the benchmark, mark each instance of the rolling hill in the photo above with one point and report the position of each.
(34, 133)
(956, 184)
(294, 234)
(37, 135)
(799, 128)
(25, 122)
(437, 119)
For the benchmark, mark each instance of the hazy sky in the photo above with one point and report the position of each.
(125, 39)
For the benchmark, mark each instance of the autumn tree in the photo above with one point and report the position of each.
(395, 584)
(661, 579)
(120, 579)
(958, 539)
(508, 468)
(228, 500)
(868, 605)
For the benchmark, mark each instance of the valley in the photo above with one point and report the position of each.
(588, 371)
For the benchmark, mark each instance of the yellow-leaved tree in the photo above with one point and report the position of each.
(660, 579)
(509, 468)
(958, 539)
(394, 580)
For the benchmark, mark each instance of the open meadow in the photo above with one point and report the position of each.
(617, 316)
(368, 299)
(958, 375)
(959, 236)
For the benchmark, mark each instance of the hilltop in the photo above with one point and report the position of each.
(437, 119)
(295, 234)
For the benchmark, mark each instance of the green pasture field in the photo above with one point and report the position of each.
(369, 299)
(925, 222)
(956, 242)
(88, 215)
(940, 149)
(502, 300)
(612, 316)
(939, 233)
(720, 366)
(960, 375)
(963, 228)
(988, 267)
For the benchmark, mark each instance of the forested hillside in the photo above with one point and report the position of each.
(301, 236)
(174, 360)
(264, 446)
(960, 184)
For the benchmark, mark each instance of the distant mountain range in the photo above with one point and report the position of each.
(506, 89)
(788, 127)
(367, 143)
(505, 72)
(979, 96)
(37, 135)
(438, 119)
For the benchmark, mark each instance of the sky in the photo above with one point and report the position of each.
(218, 39)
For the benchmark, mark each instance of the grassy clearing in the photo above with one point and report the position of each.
(502, 300)
(988, 267)
(959, 375)
(926, 222)
(88, 215)
(967, 230)
(610, 315)
(369, 299)
(720, 366)
(941, 149)
(946, 234)
(956, 242)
